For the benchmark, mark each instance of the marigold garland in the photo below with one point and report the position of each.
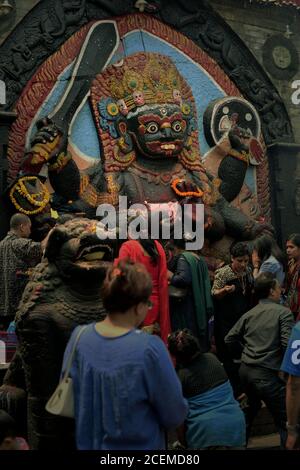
(31, 198)
(174, 184)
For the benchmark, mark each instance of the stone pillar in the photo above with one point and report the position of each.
(284, 162)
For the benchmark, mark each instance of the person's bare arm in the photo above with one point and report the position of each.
(256, 263)
(220, 293)
(45, 240)
(293, 412)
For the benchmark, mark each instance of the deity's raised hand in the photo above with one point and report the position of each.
(47, 146)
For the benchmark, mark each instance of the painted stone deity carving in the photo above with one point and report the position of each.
(146, 119)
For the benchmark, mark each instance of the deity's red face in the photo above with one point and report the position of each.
(159, 131)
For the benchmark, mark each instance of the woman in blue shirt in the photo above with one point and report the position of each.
(267, 257)
(126, 391)
(215, 419)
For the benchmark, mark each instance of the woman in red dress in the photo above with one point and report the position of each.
(293, 277)
(151, 254)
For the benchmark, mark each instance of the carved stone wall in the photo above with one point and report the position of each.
(255, 26)
(51, 22)
(9, 22)
(220, 32)
(253, 23)
(258, 26)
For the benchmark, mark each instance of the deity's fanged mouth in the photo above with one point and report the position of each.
(168, 147)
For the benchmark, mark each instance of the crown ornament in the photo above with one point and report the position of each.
(147, 82)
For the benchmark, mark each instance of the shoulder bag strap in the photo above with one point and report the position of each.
(71, 356)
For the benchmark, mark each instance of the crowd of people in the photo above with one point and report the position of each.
(154, 364)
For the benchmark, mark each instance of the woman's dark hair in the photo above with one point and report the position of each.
(126, 284)
(7, 426)
(183, 345)
(239, 249)
(150, 248)
(148, 243)
(267, 246)
(263, 284)
(295, 239)
(179, 243)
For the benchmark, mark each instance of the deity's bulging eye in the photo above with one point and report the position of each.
(152, 128)
(177, 126)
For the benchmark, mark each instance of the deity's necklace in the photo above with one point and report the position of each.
(155, 176)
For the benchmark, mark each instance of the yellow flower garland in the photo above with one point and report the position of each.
(174, 184)
(31, 198)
